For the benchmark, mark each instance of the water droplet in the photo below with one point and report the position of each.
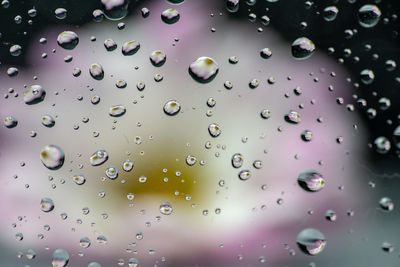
(266, 53)
(311, 181)
(158, 58)
(330, 215)
(132, 262)
(34, 94)
(10, 122)
(84, 242)
(265, 114)
(232, 5)
(382, 145)
(127, 165)
(244, 175)
(46, 204)
(68, 40)
(367, 76)
(15, 50)
(330, 13)
(369, 15)
(112, 172)
(204, 69)
(98, 157)
(302, 48)
(61, 13)
(237, 160)
(170, 16)
(191, 160)
(386, 204)
(214, 130)
(166, 208)
(292, 117)
(79, 179)
(96, 71)
(117, 111)
(52, 157)
(94, 264)
(110, 45)
(172, 108)
(129, 48)
(306, 135)
(115, 9)
(311, 241)
(48, 121)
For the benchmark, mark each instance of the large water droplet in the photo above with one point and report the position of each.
(131, 47)
(158, 58)
(60, 258)
(170, 16)
(115, 9)
(166, 208)
(34, 94)
(96, 71)
(311, 241)
(98, 157)
(117, 111)
(311, 181)
(68, 40)
(46, 204)
(369, 15)
(302, 48)
(204, 69)
(172, 108)
(52, 157)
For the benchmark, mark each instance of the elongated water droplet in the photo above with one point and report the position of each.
(98, 157)
(311, 181)
(34, 94)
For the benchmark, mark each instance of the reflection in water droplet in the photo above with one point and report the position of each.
(292, 117)
(117, 111)
(96, 71)
(237, 160)
(79, 179)
(52, 157)
(115, 9)
(98, 157)
(166, 208)
(311, 241)
(112, 172)
(158, 58)
(311, 181)
(84, 242)
(129, 48)
(302, 48)
(386, 204)
(382, 145)
(191, 160)
(10, 122)
(170, 16)
(34, 94)
(204, 69)
(60, 258)
(369, 15)
(244, 175)
(172, 108)
(214, 130)
(127, 165)
(48, 121)
(46, 204)
(68, 40)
